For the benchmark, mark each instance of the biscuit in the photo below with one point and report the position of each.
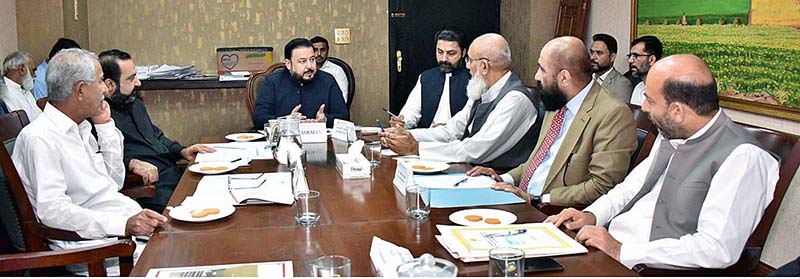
(204, 212)
(493, 221)
(206, 168)
(244, 137)
(421, 167)
(222, 168)
(473, 218)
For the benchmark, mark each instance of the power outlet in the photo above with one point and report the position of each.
(342, 36)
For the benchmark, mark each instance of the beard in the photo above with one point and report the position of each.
(301, 76)
(596, 68)
(446, 67)
(552, 98)
(665, 126)
(639, 72)
(27, 81)
(119, 100)
(476, 87)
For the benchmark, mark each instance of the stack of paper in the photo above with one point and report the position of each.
(164, 72)
(267, 269)
(471, 244)
(459, 190)
(250, 188)
(230, 151)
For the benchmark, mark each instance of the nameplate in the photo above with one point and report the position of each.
(313, 132)
(403, 176)
(343, 130)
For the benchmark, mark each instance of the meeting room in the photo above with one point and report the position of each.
(302, 138)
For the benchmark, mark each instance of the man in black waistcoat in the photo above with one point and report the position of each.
(441, 91)
(147, 151)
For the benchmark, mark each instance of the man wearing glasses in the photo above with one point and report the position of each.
(497, 128)
(440, 92)
(645, 51)
(300, 88)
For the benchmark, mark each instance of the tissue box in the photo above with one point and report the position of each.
(353, 166)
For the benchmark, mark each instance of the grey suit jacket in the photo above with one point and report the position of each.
(618, 86)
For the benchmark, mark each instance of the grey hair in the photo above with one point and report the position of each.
(15, 59)
(65, 69)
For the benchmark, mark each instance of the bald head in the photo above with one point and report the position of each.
(685, 78)
(493, 47)
(570, 54)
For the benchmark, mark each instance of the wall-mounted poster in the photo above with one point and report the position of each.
(752, 46)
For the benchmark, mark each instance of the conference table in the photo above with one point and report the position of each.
(353, 211)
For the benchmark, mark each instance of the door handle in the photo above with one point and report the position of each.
(399, 54)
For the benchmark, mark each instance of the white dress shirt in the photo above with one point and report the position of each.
(412, 110)
(637, 97)
(738, 194)
(504, 127)
(338, 74)
(603, 77)
(17, 98)
(73, 180)
(539, 177)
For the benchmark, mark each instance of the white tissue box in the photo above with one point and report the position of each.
(353, 166)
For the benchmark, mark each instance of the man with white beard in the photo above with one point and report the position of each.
(497, 128)
(18, 69)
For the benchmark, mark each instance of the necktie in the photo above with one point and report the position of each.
(555, 128)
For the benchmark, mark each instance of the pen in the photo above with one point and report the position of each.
(236, 160)
(508, 233)
(389, 112)
(460, 182)
(380, 125)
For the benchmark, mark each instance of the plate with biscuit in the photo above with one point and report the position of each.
(483, 217)
(212, 167)
(203, 213)
(244, 136)
(427, 166)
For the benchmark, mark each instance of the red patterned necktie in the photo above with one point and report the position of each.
(555, 128)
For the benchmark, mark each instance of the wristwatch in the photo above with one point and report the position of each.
(536, 200)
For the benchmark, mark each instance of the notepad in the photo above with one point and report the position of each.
(248, 188)
(476, 191)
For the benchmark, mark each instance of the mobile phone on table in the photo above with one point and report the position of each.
(542, 264)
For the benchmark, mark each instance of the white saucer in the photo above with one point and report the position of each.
(216, 167)
(505, 217)
(244, 136)
(183, 212)
(431, 166)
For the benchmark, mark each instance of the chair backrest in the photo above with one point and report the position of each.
(351, 79)
(254, 86)
(17, 212)
(41, 102)
(646, 133)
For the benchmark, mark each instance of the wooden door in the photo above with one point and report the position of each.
(572, 18)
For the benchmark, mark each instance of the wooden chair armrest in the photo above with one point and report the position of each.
(132, 180)
(147, 191)
(93, 256)
(743, 267)
(46, 232)
(552, 209)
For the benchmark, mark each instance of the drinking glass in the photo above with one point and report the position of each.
(374, 153)
(306, 207)
(418, 201)
(331, 266)
(506, 262)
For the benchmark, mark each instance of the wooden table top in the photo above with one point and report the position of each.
(352, 212)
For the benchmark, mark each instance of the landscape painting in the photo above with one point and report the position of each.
(752, 46)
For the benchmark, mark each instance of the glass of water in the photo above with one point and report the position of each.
(306, 207)
(506, 262)
(418, 201)
(374, 153)
(331, 266)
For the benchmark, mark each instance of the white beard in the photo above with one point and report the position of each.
(476, 87)
(27, 81)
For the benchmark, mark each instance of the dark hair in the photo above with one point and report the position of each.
(109, 62)
(450, 35)
(651, 44)
(293, 44)
(607, 39)
(702, 98)
(318, 39)
(62, 43)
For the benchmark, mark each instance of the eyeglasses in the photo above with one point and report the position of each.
(245, 178)
(637, 55)
(468, 60)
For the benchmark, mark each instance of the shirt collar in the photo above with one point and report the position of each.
(676, 142)
(575, 104)
(493, 91)
(602, 79)
(13, 84)
(61, 122)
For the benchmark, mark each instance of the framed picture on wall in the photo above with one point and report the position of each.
(751, 46)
